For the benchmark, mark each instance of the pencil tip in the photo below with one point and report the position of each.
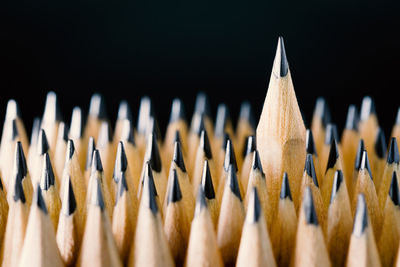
(246, 114)
(96, 161)
(178, 157)
(337, 181)
(20, 167)
(202, 105)
(309, 209)
(145, 110)
(206, 182)
(124, 111)
(35, 131)
(205, 144)
(69, 201)
(221, 120)
(360, 150)
(352, 118)
(285, 188)
(97, 107)
(177, 137)
(77, 124)
(380, 144)
(281, 66)
(153, 153)
(365, 163)
(321, 111)
(127, 132)
(367, 108)
(310, 169)
(230, 158)
(398, 117)
(12, 110)
(39, 201)
(90, 151)
(310, 144)
(331, 133)
(121, 162)
(150, 188)
(18, 191)
(104, 137)
(361, 217)
(250, 145)
(174, 193)
(13, 130)
(393, 154)
(333, 155)
(70, 148)
(200, 202)
(47, 179)
(256, 165)
(153, 128)
(97, 196)
(254, 207)
(394, 192)
(62, 131)
(42, 145)
(122, 186)
(51, 109)
(233, 181)
(177, 111)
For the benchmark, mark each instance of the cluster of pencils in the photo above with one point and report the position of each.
(205, 195)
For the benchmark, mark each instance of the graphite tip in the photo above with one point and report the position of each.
(310, 144)
(333, 155)
(256, 165)
(230, 158)
(352, 118)
(200, 202)
(206, 182)
(233, 181)
(97, 107)
(360, 150)
(39, 201)
(254, 207)
(365, 163)
(361, 217)
(178, 157)
(221, 120)
(281, 66)
(394, 192)
(177, 111)
(310, 169)
(153, 153)
(124, 111)
(42, 144)
(205, 144)
(331, 134)
(380, 144)
(285, 188)
(69, 201)
(393, 154)
(174, 192)
(90, 151)
(47, 178)
(337, 181)
(250, 145)
(308, 206)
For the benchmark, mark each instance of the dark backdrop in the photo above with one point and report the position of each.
(342, 50)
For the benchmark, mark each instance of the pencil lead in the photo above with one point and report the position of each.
(337, 181)
(310, 169)
(322, 111)
(225, 139)
(148, 177)
(285, 188)
(361, 217)
(153, 128)
(221, 119)
(127, 132)
(121, 162)
(1, 185)
(310, 144)
(257, 162)
(281, 66)
(42, 145)
(206, 182)
(393, 154)
(178, 157)
(365, 163)
(12, 110)
(63, 131)
(38, 200)
(230, 158)
(96, 161)
(246, 113)
(398, 117)
(177, 111)
(90, 151)
(97, 107)
(333, 155)
(352, 118)
(174, 194)
(47, 174)
(69, 201)
(205, 144)
(97, 196)
(77, 124)
(122, 187)
(124, 111)
(394, 192)
(70, 148)
(367, 108)
(200, 202)
(104, 134)
(35, 130)
(144, 114)
(254, 207)
(233, 181)
(153, 154)
(202, 105)
(250, 145)
(199, 126)
(13, 130)
(18, 191)
(331, 133)
(309, 209)
(177, 137)
(380, 144)
(152, 191)
(360, 150)
(51, 109)
(20, 162)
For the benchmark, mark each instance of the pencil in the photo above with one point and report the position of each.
(331, 134)
(42, 148)
(248, 156)
(75, 133)
(104, 146)
(368, 124)
(379, 155)
(207, 186)
(124, 114)
(245, 127)
(97, 115)
(312, 149)
(91, 147)
(59, 151)
(51, 119)
(320, 119)
(9, 139)
(357, 165)
(223, 125)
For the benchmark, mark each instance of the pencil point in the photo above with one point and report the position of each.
(153, 128)
(309, 209)
(337, 181)
(230, 158)
(367, 108)
(310, 144)
(18, 191)
(97, 107)
(256, 165)
(365, 163)
(206, 182)
(321, 111)
(246, 114)
(70, 148)
(233, 181)
(62, 131)
(393, 154)
(47, 179)
(250, 145)
(97, 196)
(202, 105)
(127, 132)
(352, 118)
(285, 188)
(225, 139)
(20, 163)
(198, 125)
(221, 120)
(331, 133)
(380, 144)
(122, 186)
(12, 110)
(310, 169)
(394, 192)
(121, 162)
(205, 144)
(361, 217)
(254, 207)
(151, 189)
(145, 110)
(200, 202)
(35, 130)
(360, 150)
(177, 111)
(42, 145)
(177, 137)
(39, 201)
(124, 111)
(333, 155)
(398, 117)
(51, 109)
(96, 161)
(69, 201)
(77, 124)
(178, 157)
(174, 194)
(13, 130)
(153, 154)
(104, 137)
(281, 66)
(90, 152)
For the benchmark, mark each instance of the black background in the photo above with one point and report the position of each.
(342, 50)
